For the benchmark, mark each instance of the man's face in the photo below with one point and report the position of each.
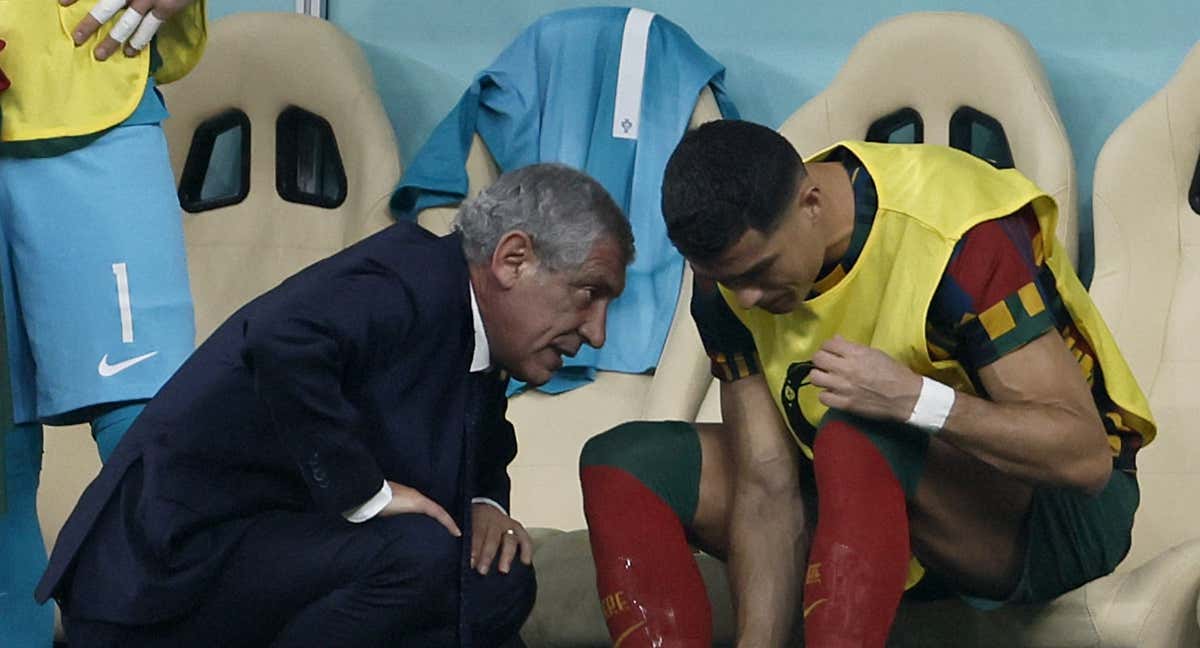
(773, 271)
(547, 315)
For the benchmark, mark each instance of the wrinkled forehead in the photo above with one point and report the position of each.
(604, 267)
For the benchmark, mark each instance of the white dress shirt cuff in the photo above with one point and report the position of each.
(372, 507)
(489, 502)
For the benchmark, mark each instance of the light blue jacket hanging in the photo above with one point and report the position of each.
(549, 97)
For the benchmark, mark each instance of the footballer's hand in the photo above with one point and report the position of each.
(864, 381)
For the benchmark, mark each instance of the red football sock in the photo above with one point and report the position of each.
(859, 558)
(649, 585)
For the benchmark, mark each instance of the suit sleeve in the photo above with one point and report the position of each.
(301, 351)
(497, 448)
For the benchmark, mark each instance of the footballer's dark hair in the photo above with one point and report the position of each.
(724, 178)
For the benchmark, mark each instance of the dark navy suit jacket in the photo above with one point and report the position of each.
(306, 399)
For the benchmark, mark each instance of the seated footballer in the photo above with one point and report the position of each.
(916, 393)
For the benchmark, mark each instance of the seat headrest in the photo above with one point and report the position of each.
(1146, 203)
(266, 61)
(296, 93)
(943, 64)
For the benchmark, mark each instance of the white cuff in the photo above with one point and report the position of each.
(489, 502)
(371, 507)
(933, 405)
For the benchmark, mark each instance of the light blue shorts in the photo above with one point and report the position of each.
(96, 298)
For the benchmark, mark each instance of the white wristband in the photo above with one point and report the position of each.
(933, 405)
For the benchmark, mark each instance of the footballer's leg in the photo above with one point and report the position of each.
(101, 271)
(648, 487)
(858, 563)
(993, 540)
(22, 548)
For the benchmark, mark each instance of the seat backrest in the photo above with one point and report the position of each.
(551, 430)
(1146, 203)
(956, 79)
(283, 151)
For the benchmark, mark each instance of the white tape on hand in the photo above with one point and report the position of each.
(125, 26)
(106, 9)
(933, 405)
(145, 31)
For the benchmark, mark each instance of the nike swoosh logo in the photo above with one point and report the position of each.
(808, 610)
(107, 370)
(628, 631)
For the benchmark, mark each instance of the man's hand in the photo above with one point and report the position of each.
(137, 25)
(410, 500)
(864, 381)
(491, 529)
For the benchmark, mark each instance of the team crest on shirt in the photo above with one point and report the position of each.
(797, 379)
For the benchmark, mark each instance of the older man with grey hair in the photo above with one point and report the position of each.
(330, 467)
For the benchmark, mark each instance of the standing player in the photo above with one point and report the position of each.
(96, 301)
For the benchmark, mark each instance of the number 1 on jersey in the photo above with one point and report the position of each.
(123, 302)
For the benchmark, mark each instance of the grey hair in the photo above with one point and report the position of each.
(564, 212)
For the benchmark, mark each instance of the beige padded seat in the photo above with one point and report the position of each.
(262, 63)
(1147, 284)
(936, 63)
(1147, 209)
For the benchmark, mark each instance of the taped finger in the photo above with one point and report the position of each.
(125, 26)
(106, 9)
(146, 31)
